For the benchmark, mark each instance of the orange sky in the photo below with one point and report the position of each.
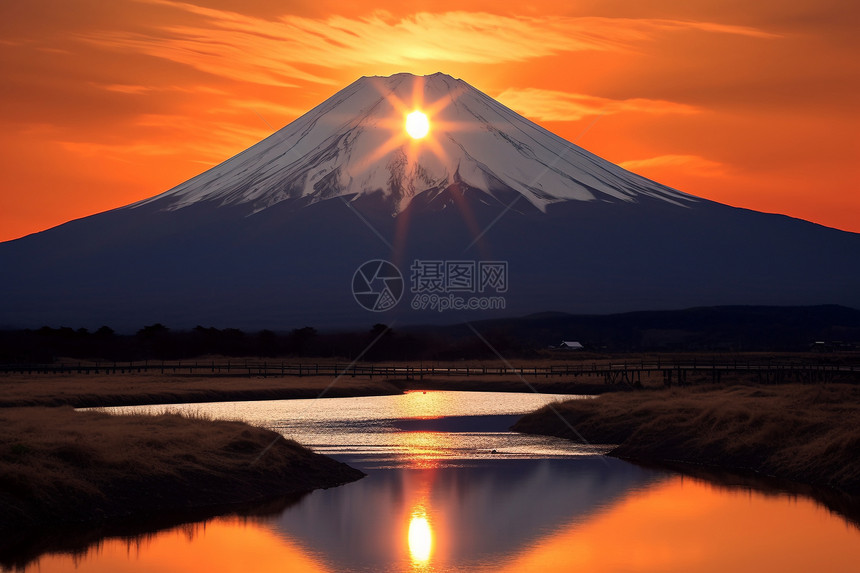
(751, 104)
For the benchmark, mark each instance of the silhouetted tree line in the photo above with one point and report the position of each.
(721, 329)
(158, 342)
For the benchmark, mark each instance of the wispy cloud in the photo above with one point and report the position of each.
(292, 48)
(669, 25)
(694, 164)
(549, 105)
(127, 88)
(265, 109)
(162, 135)
(135, 89)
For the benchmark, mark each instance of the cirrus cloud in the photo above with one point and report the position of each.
(550, 105)
(284, 50)
(693, 164)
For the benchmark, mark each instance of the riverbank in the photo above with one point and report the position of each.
(59, 467)
(806, 434)
(93, 391)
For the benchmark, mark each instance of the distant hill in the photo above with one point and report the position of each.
(723, 328)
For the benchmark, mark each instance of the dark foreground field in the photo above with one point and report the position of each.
(59, 466)
(90, 390)
(807, 434)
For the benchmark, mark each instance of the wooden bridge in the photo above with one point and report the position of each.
(612, 372)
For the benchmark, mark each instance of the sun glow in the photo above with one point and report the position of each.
(417, 124)
(410, 134)
(420, 538)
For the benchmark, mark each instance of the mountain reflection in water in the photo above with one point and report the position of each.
(652, 524)
(476, 513)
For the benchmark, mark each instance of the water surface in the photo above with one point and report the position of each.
(438, 498)
(416, 428)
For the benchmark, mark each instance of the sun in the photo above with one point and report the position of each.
(417, 124)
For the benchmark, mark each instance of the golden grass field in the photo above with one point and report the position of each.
(60, 465)
(89, 390)
(108, 388)
(808, 434)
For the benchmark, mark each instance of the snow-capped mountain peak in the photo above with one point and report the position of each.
(355, 143)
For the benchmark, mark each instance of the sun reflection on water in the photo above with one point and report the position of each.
(420, 538)
(558, 518)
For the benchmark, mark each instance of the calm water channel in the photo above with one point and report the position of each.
(450, 489)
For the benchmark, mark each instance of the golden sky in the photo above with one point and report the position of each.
(754, 104)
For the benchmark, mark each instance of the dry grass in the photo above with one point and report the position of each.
(92, 390)
(59, 465)
(808, 434)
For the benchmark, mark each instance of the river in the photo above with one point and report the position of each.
(449, 488)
